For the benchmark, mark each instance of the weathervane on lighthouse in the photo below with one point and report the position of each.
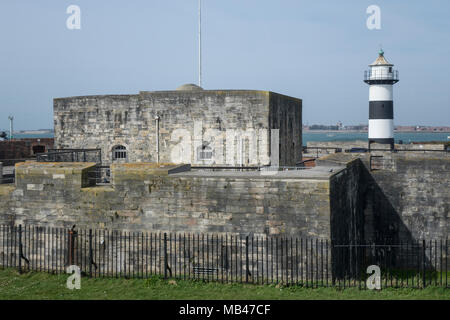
(381, 78)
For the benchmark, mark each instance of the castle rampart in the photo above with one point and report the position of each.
(346, 197)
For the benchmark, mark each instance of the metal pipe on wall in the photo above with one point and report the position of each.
(11, 119)
(157, 118)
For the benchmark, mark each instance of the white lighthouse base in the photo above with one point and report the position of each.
(381, 128)
(381, 131)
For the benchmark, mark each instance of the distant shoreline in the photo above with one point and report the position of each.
(325, 135)
(365, 131)
(48, 132)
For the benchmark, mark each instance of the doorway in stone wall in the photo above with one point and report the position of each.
(38, 149)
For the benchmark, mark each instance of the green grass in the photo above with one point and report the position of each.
(44, 286)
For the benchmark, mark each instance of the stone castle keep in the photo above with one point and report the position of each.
(187, 125)
(343, 198)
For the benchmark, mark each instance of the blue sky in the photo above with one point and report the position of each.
(313, 50)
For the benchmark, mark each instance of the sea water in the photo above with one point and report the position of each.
(406, 137)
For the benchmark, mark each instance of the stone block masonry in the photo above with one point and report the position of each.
(149, 197)
(188, 121)
(411, 199)
(340, 199)
(405, 199)
(53, 176)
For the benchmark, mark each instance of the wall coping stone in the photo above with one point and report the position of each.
(149, 168)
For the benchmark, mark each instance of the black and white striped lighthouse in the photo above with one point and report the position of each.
(381, 78)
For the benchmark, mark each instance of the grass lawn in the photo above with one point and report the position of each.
(44, 286)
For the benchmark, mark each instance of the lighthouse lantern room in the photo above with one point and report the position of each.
(381, 78)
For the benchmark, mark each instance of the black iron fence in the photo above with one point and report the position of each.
(223, 258)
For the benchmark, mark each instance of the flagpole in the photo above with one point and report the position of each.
(200, 43)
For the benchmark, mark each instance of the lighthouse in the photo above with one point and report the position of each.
(381, 79)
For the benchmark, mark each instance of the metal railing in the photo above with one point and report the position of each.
(12, 162)
(445, 150)
(250, 168)
(321, 150)
(7, 179)
(224, 258)
(100, 175)
(71, 155)
(318, 150)
(370, 75)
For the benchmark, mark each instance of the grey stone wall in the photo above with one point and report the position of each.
(405, 199)
(339, 199)
(346, 202)
(286, 115)
(411, 200)
(53, 176)
(129, 120)
(156, 200)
